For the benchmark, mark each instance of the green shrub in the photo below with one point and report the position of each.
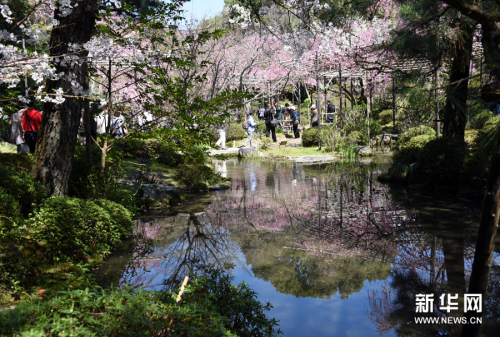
(385, 117)
(9, 206)
(353, 138)
(405, 137)
(241, 312)
(310, 137)
(4, 129)
(235, 132)
(28, 192)
(211, 306)
(419, 141)
(72, 229)
(119, 214)
(490, 124)
(266, 143)
(478, 121)
(442, 163)
(407, 155)
(375, 128)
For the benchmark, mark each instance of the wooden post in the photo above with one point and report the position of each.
(326, 100)
(438, 124)
(181, 291)
(318, 102)
(352, 97)
(300, 96)
(370, 111)
(393, 101)
(340, 90)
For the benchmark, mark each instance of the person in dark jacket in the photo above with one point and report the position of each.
(295, 121)
(269, 115)
(330, 112)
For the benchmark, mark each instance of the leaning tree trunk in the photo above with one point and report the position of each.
(455, 110)
(59, 129)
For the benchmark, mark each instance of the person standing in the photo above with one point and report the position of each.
(295, 121)
(117, 125)
(30, 125)
(261, 113)
(222, 136)
(269, 115)
(250, 130)
(15, 133)
(314, 115)
(330, 112)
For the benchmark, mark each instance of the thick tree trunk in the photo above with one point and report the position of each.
(485, 245)
(455, 116)
(59, 129)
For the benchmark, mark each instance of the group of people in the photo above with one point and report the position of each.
(271, 116)
(25, 124)
(330, 114)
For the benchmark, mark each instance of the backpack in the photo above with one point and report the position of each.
(244, 125)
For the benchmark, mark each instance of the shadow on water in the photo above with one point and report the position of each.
(336, 252)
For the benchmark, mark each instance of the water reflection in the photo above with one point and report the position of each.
(317, 233)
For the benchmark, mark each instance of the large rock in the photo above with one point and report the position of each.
(313, 159)
(246, 151)
(363, 151)
(160, 195)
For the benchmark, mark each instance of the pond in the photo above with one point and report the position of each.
(333, 250)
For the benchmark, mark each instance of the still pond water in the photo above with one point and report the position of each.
(334, 251)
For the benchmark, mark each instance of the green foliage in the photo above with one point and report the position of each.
(490, 124)
(211, 306)
(9, 206)
(385, 117)
(331, 139)
(420, 141)
(442, 163)
(4, 129)
(22, 187)
(310, 137)
(407, 155)
(86, 182)
(265, 145)
(72, 229)
(375, 128)
(243, 315)
(119, 214)
(405, 137)
(353, 138)
(235, 132)
(478, 121)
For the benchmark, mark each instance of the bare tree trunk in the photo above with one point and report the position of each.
(59, 129)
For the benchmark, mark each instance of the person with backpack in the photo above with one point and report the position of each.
(30, 125)
(269, 116)
(250, 124)
(295, 121)
(330, 112)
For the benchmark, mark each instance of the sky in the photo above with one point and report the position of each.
(201, 8)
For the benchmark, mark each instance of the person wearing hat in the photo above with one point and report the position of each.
(314, 115)
(295, 121)
(250, 130)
